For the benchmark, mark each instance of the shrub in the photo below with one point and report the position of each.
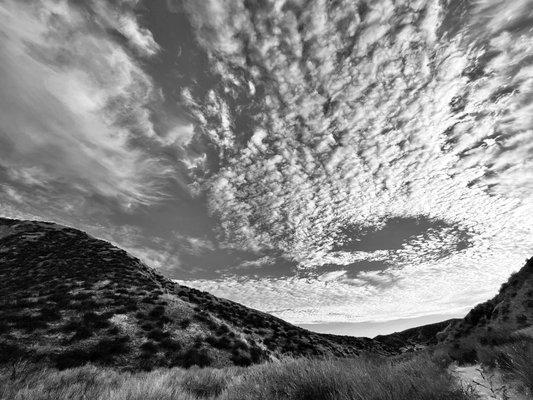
(158, 334)
(194, 356)
(464, 351)
(222, 329)
(107, 348)
(95, 320)
(82, 332)
(184, 323)
(156, 312)
(218, 342)
(256, 354)
(71, 358)
(11, 351)
(130, 307)
(114, 330)
(50, 314)
(164, 320)
(147, 326)
(241, 358)
(149, 300)
(149, 347)
(170, 344)
(29, 323)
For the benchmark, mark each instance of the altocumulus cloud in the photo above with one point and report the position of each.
(364, 112)
(319, 120)
(74, 100)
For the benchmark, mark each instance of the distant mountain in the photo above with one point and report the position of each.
(67, 299)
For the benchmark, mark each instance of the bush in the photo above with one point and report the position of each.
(158, 334)
(107, 348)
(184, 323)
(156, 312)
(71, 358)
(521, 319)
(149, 347)
(114, 330)
(11, 352)
(82, 332)
(194, 356)
(50, 314)
(28, 323)
(147, 326)
(241, 358)
(96, 320)
(222, 342)
(170, 344)
(464, 352)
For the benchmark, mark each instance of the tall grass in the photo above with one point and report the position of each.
(515, 358)
(416, 378)
(521, 363)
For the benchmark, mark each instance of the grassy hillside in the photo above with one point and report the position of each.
(68, 299)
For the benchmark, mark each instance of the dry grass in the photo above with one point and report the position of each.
(415, 378)
(515, 358)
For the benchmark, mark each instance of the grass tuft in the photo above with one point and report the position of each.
(415, 377)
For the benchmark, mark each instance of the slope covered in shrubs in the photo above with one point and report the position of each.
(68, 299)
(511, 310)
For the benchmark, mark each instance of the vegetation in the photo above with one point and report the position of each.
(511, 309)
(83, 319)
(67, 299)
(416, 377)
(514, 358)
(511, 354)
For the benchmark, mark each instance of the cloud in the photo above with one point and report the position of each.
(412, 291)
(316, 116)
(123, 19)
(365, 113)
(74, 101)
(363, 123)
(193, 245)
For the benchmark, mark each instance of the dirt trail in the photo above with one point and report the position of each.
(489, 384)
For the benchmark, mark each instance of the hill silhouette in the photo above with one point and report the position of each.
(68, 299)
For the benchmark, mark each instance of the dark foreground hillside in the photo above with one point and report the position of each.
(68, 299)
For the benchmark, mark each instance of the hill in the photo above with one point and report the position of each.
(510, 311)
(415, 338)
(67, 299)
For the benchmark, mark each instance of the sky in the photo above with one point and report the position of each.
(349, 166)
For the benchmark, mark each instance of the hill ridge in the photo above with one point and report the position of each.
(69, 298)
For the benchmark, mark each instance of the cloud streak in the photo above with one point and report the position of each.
(73, 101)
